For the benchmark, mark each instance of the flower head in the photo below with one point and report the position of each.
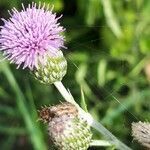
(141, 132)
(67, 130)
(28, 36)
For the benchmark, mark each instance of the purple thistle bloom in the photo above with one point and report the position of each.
(30, 35)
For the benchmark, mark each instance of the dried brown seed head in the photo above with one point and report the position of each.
(141, 132)
(47, 113)
(67, 130)
(64, 109)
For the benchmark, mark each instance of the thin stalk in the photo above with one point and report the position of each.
(90, 120)
(63, 91)
(100, 143)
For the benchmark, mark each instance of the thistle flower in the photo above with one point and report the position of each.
(66, 129)
(30, 36)
(141, 132)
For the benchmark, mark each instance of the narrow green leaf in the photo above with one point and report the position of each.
(83, 102)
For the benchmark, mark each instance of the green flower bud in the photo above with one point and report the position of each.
(66, 129)
(54, 69)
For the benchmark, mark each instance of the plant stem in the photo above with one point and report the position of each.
(90, 120)
(66, 95)
(100, 143)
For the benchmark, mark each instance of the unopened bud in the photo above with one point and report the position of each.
(53, 69)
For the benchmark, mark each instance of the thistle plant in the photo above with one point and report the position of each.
(32, 38)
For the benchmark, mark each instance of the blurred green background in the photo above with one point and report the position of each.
(108, 56)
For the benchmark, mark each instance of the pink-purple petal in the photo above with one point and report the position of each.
(30, 34)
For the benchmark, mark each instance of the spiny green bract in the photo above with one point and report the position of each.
(67, 130)
(69, 133)
(54, 69)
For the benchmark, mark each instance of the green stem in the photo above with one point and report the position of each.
(100, 143)
(90, 120)
(66, 95)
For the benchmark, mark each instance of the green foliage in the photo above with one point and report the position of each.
(108, 49)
